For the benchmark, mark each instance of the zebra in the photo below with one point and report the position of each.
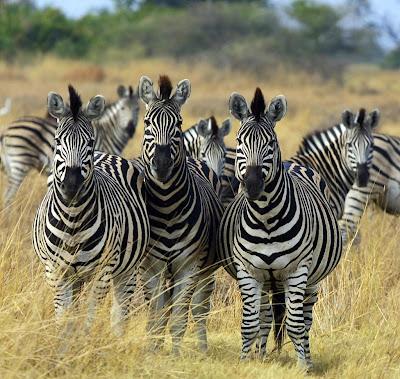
(28, 142)
(279, 235)
(92, 225)
(205, 141)
(342, 155)
(383, 188)
(184, 211)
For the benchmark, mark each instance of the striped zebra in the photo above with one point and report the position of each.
(279, 235)
(384, 185)
(205, 141)
(342, 155)
(184, 211)
(92, 225)
(28, 143)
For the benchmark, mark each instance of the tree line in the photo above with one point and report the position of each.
(249, 35)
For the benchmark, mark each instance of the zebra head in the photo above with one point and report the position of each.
(258, 156)
(162, 148)
(359, 142)
(74, 142)
(212, 145)
(128, 108)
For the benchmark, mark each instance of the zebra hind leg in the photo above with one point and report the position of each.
(311, 297)
(201, 308)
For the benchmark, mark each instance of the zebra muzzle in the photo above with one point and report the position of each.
(362, 175)
(253, 182)
(162, 163)
(72, 183)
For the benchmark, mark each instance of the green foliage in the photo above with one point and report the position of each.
(392, 59)
(244, 34)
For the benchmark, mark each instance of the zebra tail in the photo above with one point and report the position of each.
(278, 311)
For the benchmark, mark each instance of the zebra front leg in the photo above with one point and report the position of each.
(294, 290)
(124, 288)
(201, 308)
(250, 290)
(157, 295)
(311, 297)
(265, 324)
(182, 293)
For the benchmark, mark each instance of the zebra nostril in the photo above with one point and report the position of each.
(62, 186)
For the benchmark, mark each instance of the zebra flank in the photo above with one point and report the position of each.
(184, 212)
(92, 225)
(27, 143)
(279, 236)
(342, 155)
(383, 188)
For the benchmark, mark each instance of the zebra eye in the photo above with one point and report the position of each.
(238, 141)
(57, 140)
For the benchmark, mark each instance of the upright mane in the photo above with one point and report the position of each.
(165, 87)
(360, 118)
(258, 104)
(214, 126)
(75, 102)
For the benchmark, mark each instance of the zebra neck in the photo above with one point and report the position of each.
(278, 192)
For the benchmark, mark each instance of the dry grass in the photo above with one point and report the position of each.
(357, 320)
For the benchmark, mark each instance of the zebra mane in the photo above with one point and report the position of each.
(258, 104)
(165, 87)
(75, 102)
(214, 126)
(307, 144)
(360, 118)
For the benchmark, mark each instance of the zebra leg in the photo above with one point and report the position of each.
(182, 293)
(15, 179)
(250, 290)
(201, 308)
(311, 297)
(97, 291)
(124, 288)
(157, 295)
(295, 327)
(265, 324)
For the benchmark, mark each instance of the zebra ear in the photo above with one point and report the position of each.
(277, 108)
(374, 116)
(203, 127)
(225, 128)
(121, 90)
(238, 106)
(56, 105)
(94, 108)
(146, 90)
(182, 92)
(347, 118)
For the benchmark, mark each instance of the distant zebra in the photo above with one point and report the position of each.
(205, 141)
(279, 235)
(384, 185)
(184, 211)
(342, 155)
(92, 225)
(28, 143)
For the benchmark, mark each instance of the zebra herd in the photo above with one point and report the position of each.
(189, 206)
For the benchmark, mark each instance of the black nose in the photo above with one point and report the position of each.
(253, 182)
(362, 175)
(72, 183)
(162, 162)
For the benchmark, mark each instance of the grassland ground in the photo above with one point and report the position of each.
(356, 330)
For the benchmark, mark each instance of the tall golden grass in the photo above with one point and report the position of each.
(356, 331)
